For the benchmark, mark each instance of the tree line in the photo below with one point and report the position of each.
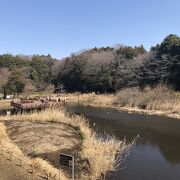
(111, 69)
(95, 70)
(25, 74)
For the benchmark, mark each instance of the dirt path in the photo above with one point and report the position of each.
(36, 139)
(45, 140)
(10, 171)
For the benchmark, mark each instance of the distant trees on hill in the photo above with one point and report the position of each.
(98, 69)
(24, 74)
(163, 65)
(109, 69)
(170, 46)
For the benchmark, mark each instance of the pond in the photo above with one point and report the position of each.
(156, 154)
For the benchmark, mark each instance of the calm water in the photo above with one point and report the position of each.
(156, 155)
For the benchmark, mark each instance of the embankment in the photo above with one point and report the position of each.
(98, 154)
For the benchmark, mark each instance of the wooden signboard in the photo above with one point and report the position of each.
(67, 160)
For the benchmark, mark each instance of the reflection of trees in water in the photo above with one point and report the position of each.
(168, 143)
(170, 149)
(155, 130)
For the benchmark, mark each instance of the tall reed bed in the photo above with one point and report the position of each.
(158, 98)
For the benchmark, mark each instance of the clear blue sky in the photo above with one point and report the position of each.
(60, 27)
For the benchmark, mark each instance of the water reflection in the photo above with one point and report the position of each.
(159, 139)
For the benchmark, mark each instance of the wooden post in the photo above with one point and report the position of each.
(59, 173)
(78, 97)
(1, 144)
(10, 156)
(1, 152)
(33, 168)
(73, 168)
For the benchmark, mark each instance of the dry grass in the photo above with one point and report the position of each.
(101, 99)
(159, 98)
(3, 132)
(100, 153)
(4, 103)
(178, 94)
(90, 99)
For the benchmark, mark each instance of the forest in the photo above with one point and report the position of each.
(101, 70)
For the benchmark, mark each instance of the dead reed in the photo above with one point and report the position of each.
(4, 103)
(158, 98)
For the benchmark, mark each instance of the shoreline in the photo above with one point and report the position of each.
(137, 110)
(84, 101)
(150, 112)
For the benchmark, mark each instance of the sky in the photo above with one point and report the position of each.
(62, 27)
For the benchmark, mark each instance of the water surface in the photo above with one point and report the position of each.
(156, 155)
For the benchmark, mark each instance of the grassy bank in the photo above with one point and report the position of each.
(159, 100)
(4, 103)
(90, 99)
(99, 153)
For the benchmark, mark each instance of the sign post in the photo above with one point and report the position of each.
(67, 160)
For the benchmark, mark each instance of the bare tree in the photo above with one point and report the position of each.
(4, 77)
